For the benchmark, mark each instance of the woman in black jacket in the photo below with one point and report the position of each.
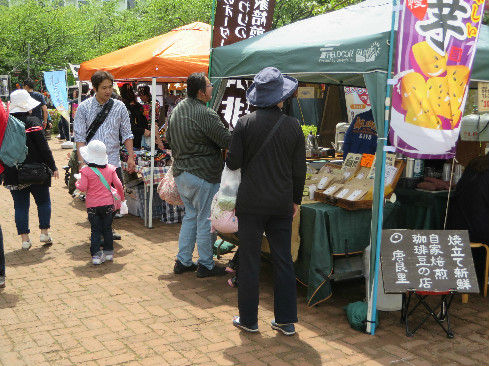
(21, 103)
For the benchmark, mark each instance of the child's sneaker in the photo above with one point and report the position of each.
(26, 245)
(46, 239)
(98, 258)
(2, 281)
(109, 256)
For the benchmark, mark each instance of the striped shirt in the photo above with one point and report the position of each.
(117, 123)
(196, 136)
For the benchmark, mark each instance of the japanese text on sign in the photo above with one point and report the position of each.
(483, 93)
(426, 260)
(236, 20)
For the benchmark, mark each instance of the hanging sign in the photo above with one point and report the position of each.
(483, 99)
(236, 20)
(56, 85)
(234, 103)
(436, 45)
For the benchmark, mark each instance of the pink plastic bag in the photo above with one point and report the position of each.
(167, 189)
(222, 221)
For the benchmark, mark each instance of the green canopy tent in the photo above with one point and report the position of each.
(345, 47)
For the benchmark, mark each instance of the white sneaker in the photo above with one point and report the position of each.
(46, 238)
(109, 257)
(2, 281)
(26, 245)
(98, 259)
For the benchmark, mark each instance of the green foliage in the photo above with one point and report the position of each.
(306, 129)
(39, 35)
(55, 117)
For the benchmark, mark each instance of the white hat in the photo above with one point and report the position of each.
(94, 153)
(21, 101)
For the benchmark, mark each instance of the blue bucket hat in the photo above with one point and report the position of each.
(270, 87)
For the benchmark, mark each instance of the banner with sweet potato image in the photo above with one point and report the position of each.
(436, 46)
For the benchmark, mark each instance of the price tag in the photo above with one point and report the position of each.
(390, 174)
(483, 97)
(343, 193)
(356, 194)
(322, 183)
(367, 160)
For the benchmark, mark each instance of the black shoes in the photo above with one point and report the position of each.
(203, 271)
(179, 268)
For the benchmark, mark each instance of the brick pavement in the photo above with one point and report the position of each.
(60, 310)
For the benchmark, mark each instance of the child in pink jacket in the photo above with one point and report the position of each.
(99, 199)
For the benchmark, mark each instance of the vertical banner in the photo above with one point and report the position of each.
(436, 46)
(56, 85)
(234, 103)
(236, 20)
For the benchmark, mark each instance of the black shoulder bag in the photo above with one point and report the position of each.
(33, 173)
(272, 132)
(99, 119)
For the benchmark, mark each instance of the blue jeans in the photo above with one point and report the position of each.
(2, 255)
(22, 202)
(196, 194)
(100, 219)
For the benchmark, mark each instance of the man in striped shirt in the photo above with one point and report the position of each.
(196, 136)
(116, 123)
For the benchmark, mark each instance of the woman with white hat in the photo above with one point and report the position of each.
(21, 103)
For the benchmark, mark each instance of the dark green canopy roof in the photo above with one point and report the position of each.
(337, 48)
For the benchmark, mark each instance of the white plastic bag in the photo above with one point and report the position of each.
(124, 210)
(222, 221)
(228, 191)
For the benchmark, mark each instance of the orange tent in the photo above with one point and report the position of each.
(171, 57)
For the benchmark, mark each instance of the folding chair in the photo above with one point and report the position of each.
(440, 312)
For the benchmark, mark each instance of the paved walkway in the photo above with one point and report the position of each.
(59, 309)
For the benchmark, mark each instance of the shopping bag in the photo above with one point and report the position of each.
(222, 221)
(167, 189)
(124, 210)
(117, 198)
(228, 190)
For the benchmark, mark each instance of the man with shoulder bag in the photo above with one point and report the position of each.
(104, 119)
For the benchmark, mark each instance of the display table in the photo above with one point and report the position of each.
(421, 209)
(326, 231)
(158, 174)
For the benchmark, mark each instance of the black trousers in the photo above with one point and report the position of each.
(278, 230)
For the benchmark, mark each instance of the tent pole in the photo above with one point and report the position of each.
(379, 193)
(212, 37)
(153, 118)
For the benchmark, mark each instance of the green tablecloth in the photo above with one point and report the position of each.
(327, 230)
(420, 209)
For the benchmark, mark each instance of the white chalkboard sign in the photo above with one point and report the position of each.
(427, 260)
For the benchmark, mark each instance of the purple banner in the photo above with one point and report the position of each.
(436, 46)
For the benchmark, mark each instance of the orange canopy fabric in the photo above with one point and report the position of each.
(171, 57)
